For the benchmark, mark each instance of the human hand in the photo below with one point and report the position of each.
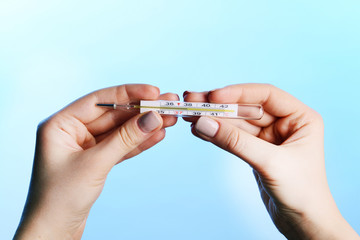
(285, 150)
(75, 150)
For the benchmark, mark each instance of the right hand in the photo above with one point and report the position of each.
(285, 150)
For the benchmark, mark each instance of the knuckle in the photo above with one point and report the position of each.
(127, 137)
(41, 127)
(44, 126)
(270, 86)
(316, 118)
(233, 142)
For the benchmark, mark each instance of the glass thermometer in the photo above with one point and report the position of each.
(193, 109)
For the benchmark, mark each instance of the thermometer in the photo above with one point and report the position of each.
(193, 109)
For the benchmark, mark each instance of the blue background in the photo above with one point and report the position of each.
(52, 52)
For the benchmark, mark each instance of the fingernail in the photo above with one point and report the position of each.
(185, 93)
(210, 92)
(207, 126)
(149, 122)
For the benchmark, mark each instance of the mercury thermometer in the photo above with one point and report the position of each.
(193, 109)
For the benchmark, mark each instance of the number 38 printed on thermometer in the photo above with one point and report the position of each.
(176, 108)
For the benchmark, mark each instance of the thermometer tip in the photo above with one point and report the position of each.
(104, 105)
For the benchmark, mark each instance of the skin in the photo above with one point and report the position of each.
(285, 149)
(75, 150)
(77, 147)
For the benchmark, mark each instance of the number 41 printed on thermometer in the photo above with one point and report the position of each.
(190, 109)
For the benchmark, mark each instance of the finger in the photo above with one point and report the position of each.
(109, 121)
(86, 111)
(265, 121)
(240, 123)
(251, 149)
(244, 125)
(194, 97)
(253, 130)
(114, 118)
(275, 101)
(169, 120)
(153, 140)
(128, 137)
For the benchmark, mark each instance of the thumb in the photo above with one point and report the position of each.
(126, 138)
(251, 149)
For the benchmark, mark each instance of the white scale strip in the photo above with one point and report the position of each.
(178, 108)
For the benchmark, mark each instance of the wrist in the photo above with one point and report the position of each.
(317, 226)
(36, 228)
(46, 225)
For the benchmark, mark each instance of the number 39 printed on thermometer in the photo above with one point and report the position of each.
(190, 108)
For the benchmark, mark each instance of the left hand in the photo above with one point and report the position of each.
(75, 150)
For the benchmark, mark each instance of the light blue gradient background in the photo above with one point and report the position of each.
(52, 52)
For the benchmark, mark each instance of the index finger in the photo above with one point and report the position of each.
(265, 121)
(85, 109)
(275, 101)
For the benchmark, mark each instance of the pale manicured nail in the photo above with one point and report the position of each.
(149, 122)
(207, 126)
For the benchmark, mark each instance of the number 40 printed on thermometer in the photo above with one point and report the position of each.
(191, 109)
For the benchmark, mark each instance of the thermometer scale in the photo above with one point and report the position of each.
(193, 109)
